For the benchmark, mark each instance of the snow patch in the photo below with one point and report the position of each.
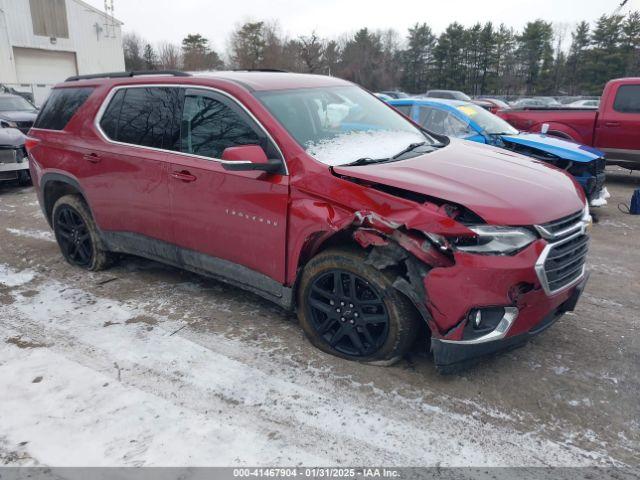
(38, 234)
(13, 278)
(348, 147)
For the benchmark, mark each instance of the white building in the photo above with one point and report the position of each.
(42, 42)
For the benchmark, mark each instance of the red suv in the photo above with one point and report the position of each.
(311, 192)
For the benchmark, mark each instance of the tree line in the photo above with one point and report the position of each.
(540, 59)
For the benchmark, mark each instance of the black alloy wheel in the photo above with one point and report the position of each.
(72, 234)
(348, 313)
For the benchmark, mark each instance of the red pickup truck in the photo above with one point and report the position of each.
(614, 128)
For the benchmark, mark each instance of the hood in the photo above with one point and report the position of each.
(19, 116)
(503, 187)
(11, 137)
(556, 146)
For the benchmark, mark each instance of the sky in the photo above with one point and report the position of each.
(172, 20)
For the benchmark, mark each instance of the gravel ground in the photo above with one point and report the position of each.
(144, 364)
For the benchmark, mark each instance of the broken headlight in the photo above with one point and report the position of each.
(494, 240)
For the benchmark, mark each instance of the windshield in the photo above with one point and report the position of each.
(14, 104)
(490, 123)
(339, 125)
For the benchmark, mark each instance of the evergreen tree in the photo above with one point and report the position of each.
(417, 59)
(535, 54)
(150, 58)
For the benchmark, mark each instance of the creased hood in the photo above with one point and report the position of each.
(503, 187)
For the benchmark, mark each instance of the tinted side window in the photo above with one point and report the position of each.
(404, 109)
(442, 122)
(109, 120)
(209, 126)
(150, 117)
(627, 99)
(61, 105)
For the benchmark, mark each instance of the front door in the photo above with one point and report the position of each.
(225, 219)
(617, 128)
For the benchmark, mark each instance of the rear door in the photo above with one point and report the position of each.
(617, 129)
(237, 217)
(127, 180)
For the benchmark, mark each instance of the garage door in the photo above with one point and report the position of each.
(43, 66)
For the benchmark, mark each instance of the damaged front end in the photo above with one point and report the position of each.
(475, 285)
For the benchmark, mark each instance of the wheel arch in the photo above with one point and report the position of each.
(56, 185)
(321, 241)
(559, 130)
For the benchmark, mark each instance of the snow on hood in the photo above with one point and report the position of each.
(565, 149)
(19, 115)
(503, 187)
(350, 146)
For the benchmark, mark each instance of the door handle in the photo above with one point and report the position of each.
(611, 124)
(91, 157)
(184, 176)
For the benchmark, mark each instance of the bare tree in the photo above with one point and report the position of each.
(132, 46)
(169, 57)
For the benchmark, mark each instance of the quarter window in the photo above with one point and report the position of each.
(209, 126)
(61, 105)
(627, 99)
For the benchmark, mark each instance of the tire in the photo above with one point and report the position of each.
(24, 178)
(375, 297)
(77, 234)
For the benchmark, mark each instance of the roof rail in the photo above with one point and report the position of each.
(260, 70)
(132, 73)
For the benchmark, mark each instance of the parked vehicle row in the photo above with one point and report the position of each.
(16, 118)
(612, 128)
(310, 192)
(469, 121)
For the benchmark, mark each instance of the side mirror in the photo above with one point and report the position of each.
(249, 158)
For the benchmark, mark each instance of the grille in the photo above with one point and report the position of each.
(562, 226)
(565, 262)
(7, 155)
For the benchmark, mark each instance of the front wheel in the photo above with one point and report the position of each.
(350, 309)
(24, 178)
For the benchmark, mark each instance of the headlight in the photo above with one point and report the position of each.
(8, 124)
(492, 240)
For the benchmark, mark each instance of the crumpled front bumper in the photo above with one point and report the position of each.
(478, 281)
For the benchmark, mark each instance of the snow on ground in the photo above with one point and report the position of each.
(11, 278)
(90, 380)
(37, 234)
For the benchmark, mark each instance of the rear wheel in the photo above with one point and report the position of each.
(351, 309)
(77, 234)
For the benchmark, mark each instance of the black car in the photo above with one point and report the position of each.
(16, 112)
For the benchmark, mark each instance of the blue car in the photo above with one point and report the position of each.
(466, 120)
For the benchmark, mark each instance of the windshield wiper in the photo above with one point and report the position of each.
(412, 146)
(364, 161)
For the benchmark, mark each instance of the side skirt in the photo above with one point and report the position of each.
(196, 262)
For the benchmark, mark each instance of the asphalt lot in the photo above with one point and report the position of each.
(144, 364)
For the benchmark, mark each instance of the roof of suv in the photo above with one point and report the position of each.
(275, 80)
(252, 80)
